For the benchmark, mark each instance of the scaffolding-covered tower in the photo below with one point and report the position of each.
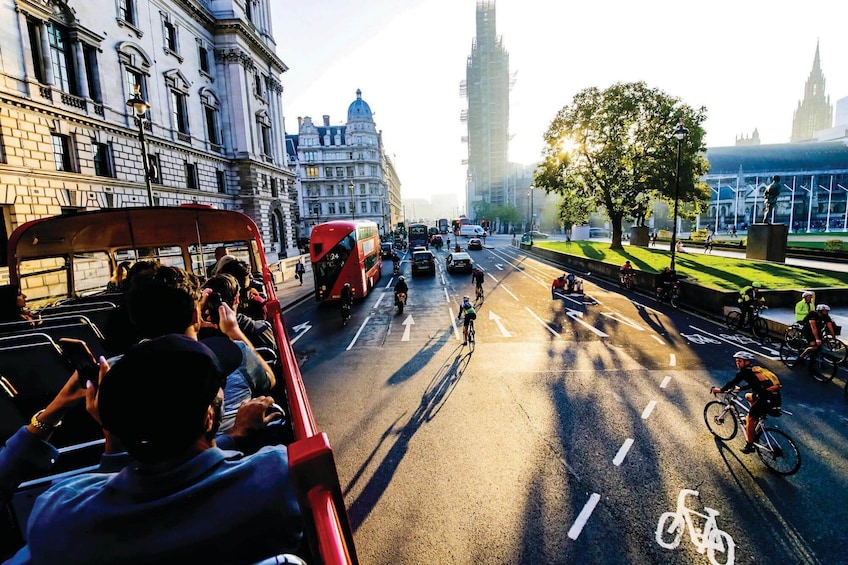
(487, 88)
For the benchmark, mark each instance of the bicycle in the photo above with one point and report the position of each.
(759, 327)
(825, 365)
(835, 347)
(708, 537)
(626, 280)
(472, 336)
(774, 447)
(480, 292)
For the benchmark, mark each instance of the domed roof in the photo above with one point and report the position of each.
(359, 109)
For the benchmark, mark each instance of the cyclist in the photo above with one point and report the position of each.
(625, 271)
(749, 297)
(466, 308)
(395, 262)
(804, 306)
(477, 276)
(665, 280)
(763, 398)
(401, 286)
(814, 324)
(346, 299)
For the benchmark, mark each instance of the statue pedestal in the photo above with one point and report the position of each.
(639, 236)
(767, 242)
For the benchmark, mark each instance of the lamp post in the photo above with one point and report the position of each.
(140, 107)
(680, 133)
(352, 202)
(531, 214)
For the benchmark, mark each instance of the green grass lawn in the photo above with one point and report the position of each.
(707, 270)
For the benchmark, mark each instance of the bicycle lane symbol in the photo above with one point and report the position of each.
(705, 534)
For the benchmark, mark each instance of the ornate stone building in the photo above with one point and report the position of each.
(210, 72)
(343, 171)
(814, 112)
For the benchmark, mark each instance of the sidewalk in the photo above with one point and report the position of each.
(794, 261)
(291, 292)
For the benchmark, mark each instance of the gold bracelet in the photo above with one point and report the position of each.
(41, 426)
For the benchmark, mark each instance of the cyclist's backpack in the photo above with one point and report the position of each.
(767, 378)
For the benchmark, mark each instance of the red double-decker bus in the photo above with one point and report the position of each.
(345, 252)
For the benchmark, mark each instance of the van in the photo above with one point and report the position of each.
(472, 231)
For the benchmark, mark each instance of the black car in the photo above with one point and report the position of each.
(474, 244)
(386, 250)
(423, 262)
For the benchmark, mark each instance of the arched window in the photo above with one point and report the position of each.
(212, 114)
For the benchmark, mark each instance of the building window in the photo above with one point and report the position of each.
(219, 179)
(248, 10)
(275, 190)
(2, 149)
(60, 57)
(339, 171)
(135, 78)
(62, 153)
(203, 57)
(212, 130)
(375, 207)
(103, 160)
(191, 176)
(170, 32)
(342, 208)
(350, 171)
(259, 85)
(263, 127)
(179, 112)
(331, 208)
(312, 172)
(126, 11)
(328, 172)
(154, 170)
(92, 73)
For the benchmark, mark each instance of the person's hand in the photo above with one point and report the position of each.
(93, 389)
(715, 390)
(227, 321)
(70, 395)
(253, 415)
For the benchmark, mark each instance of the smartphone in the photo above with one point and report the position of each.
(81, 359)
(213, 302)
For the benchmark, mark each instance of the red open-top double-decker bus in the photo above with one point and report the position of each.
(345, 252)
(65, 262)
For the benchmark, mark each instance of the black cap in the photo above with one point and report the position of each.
(155, 397)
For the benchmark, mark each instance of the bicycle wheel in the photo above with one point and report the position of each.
(472, 337)
(721, 420)
(719, 541)
(793, 332)
(759, 327)
(835, 349)
(824, 367)
(789, 353)
(675, 299)
(778, 452)
(733, 321)
(675, 528)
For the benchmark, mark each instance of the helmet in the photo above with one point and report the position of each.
(400, 278)
(806, 294)
(821, 307)
(466, 298)
(743, 355)
(627, 262)
(347, 285)
(757, 284)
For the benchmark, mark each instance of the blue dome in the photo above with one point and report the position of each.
(359, 109)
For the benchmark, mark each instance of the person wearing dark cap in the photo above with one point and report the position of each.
(185, 500)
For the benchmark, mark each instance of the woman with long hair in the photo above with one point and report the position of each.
(13, 307)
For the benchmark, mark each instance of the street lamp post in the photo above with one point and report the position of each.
(531, 215)
(352, 202)
(140, 108)
(680, 133)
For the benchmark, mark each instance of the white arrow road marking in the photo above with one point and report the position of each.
(497, 319)
(543, 322)
(301, 329)
(775, 354)
(359, 331)
(575, 315)
(499, 266)
(407, 327)
(619, 318)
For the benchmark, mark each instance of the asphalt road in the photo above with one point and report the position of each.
(565, 436)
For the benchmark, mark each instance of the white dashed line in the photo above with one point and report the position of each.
(665, 382)
(658, 338)
(359, 331)
(509, 292)
(543, 322)
(622, 452)
(648, 409)
(672, 359)
(584, 515)
(447, 296)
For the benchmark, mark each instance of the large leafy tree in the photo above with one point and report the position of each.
(613, 149)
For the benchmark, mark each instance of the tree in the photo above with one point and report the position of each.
(613, 149)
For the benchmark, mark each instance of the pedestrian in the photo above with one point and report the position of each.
(299, 270)
(708, 243)
(733, 231)
(654, 239)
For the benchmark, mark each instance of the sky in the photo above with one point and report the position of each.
(746, 61)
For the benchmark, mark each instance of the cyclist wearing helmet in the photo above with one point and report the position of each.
(466, 308)
(763, 398)
(813, 328)
(748, 298)
(401, 286)
(346, 295)
(478, 277)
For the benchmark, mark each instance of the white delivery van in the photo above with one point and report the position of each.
(471, 231)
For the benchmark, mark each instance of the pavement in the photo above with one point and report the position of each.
(292, 292)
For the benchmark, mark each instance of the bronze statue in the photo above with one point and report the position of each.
(770, 197)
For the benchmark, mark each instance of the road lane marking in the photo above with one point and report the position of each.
(509, 292)
(302, 328)
(389, 284)
(408, 322)
(658, 338)
(648, 409)
(447, 296)
(665, 382)
(497, 319)
(737, 344)
(543, 322)
(359, 331)
(624, 320)
(493, 277)
(453, 323)
(575, 315)
(672, 359)
(377, 305)
(622, 452)
(583, 517)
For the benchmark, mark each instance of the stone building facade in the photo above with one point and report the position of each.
(214, 131)
(343, 171)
